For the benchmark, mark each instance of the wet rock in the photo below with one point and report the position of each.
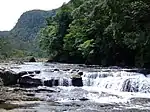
(2, 101)
(49, 61)
(32, 75)
(51, 82)
(80, 73)
(56, 69)
(83, 99)
(45, 90)
(32, 60)
(37, 72)
(66, 69)
(56, 82)
(77, 79)
(30, 94)
(22, 73)
(28, 81)
(9, 77)
(144, 71)
(30, 72)
(77, 82)
(48, 83)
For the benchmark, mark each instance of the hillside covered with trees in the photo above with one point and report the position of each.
(104, 32)
(21, 41)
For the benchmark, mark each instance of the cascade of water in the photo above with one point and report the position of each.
(58, 82)
(65, 82)
(118, 81)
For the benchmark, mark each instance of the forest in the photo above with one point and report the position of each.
(103, 32)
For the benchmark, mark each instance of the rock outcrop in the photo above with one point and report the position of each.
(9, 77)
(51, 82)
(77, 82)
(29, 81)
(77, 79)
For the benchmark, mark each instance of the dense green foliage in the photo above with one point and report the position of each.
(21, 41)
(105, 32)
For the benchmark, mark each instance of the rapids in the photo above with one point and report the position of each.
(103, 88)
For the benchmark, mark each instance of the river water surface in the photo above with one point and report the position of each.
(110, 89)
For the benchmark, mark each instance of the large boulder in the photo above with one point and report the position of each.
(77, 79)
(32, 59)
(9, 77)
(77, 82)
(29, 81)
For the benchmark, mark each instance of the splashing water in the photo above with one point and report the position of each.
(118, 81)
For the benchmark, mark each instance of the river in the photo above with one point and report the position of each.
(111, 89)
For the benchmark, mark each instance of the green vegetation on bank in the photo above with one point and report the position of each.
(105, 32)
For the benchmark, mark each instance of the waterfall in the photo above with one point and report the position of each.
(65, 82)
(118, 81)
(58, 82)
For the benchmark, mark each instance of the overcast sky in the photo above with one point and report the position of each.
(11, 10)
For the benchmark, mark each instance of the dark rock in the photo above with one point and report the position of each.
(80, 73)
(9, 77)
(28, 81)
(2, 101)
(30, 94)
(83, 99)
(48, 83)
(66, 69)
(142, 71)
(56, 69)
(77, 82)
(30, 72)
(45, 90)
(22, 73)
(49, 61)
(51, 82)
(37, 72)
(32, 60)
(56, 82)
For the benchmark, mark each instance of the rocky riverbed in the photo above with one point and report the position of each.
(54, 87)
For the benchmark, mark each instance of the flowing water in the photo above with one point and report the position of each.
(104, 89)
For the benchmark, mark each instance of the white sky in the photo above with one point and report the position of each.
(11, 10)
